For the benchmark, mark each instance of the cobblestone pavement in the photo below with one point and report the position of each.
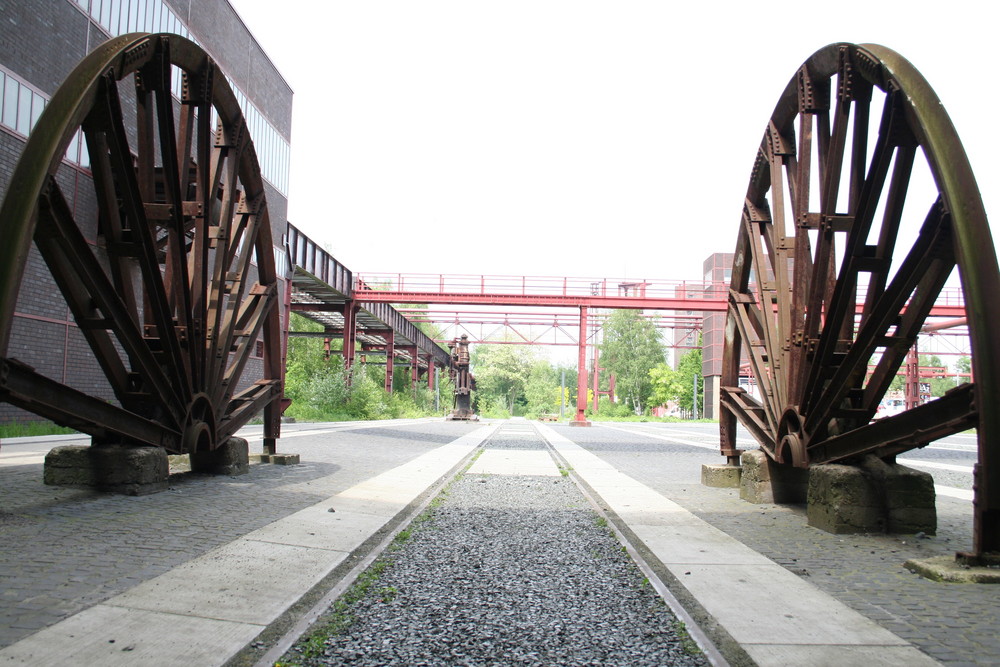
(63, 550)
(958, 624)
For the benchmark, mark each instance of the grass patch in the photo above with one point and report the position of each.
(33, 429)
(387, 594)
(687, 641)
(340, 616)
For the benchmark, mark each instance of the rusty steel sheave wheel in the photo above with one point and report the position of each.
(860, 205)
(181, 283)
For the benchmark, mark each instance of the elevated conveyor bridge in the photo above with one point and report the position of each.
(323, 290)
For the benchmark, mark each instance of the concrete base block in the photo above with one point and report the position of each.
(948, 569)
(764, 481)
(179, 463)
(124, 469)
(230, 458)
(874, 497)
(721, 476)
(573, 422)
(276, 459)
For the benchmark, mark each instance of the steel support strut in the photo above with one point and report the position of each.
(390, 358)
(581, 375)
(350, 337)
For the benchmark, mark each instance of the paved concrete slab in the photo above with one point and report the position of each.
(246, 581)
(690, 543)
(883, 656)
(763, 606)
(207, 609)
(112, 636)
(515, 462)
(321, 529)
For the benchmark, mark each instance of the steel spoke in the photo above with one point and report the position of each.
(109, 118)
(98, 309)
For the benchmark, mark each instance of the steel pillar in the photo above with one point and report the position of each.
(596, 380)
(911, 387)
(581, 375)
(350, 337)
(414, 366)
(390, 358)
(273, 412)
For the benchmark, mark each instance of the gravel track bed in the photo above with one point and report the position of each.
(509, 571)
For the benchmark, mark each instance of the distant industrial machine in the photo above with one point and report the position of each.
(462, 379)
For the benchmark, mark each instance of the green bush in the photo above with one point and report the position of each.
(608, 410)
(495, 407)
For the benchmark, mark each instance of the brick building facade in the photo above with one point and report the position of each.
(41, 41)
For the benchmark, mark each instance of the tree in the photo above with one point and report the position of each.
(665, 383)
(630, 349)
(678, 385)
(501, 372)
(305, 359)
(541, 391)
(963, 366)
(688, 373)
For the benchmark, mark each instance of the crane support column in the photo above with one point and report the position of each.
(581, 374)
(390, 358)
(350, 337)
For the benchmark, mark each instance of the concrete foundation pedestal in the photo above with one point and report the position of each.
(132, 471)
(276, 459)
(721, 476)
(764, 481)
(230, 458)
(875, 497)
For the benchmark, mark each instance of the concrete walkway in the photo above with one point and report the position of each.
(775, 616)
(210, 608)
(215, 561)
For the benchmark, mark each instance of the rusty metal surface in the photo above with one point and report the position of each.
(324, 292)
(181, 285)
(833, 272)
(462, 379)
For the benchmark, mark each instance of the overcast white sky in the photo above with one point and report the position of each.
(576, 138)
